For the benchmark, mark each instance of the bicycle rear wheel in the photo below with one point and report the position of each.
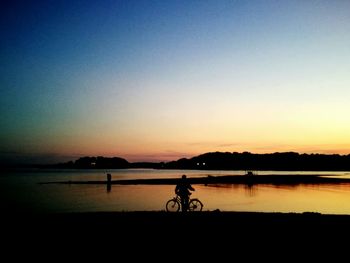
(195, 205)
(172, 205)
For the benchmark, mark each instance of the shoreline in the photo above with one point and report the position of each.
(151, 222)
(221, 233)
(277, 179)
(161, 216)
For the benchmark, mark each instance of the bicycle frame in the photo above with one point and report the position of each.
(175, 204)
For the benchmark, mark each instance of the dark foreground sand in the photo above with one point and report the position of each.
(159, 236)
(158, 230)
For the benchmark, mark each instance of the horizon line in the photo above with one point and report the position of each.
(15, 158)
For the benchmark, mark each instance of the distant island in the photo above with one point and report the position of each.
(290, 161)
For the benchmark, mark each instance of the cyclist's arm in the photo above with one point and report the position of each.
(176, 189)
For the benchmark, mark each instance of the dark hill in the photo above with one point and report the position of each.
(288, 161)
(274, 161)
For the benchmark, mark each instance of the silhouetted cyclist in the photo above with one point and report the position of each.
(183, 189)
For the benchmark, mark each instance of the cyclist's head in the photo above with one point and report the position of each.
(184, 177)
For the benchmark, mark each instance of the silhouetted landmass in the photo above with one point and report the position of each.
(94, 163)
(287, 161)
(275, 161)
(101, 162)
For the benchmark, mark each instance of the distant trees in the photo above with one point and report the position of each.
(274, 161)
(291, 161)
(107, 163)
(99, 162)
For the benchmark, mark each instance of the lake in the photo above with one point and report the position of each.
(21, 191)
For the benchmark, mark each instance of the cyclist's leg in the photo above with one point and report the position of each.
(186, 201)
(183, 203)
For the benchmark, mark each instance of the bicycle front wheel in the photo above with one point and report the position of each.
(195, 205)
(172, 205)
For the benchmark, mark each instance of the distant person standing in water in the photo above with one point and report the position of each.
(183, 189)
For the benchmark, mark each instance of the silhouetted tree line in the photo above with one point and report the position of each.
(224, 161)
(274, 161)
(97, 162)
(106, 163)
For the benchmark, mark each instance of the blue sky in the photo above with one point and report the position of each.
(161, 80)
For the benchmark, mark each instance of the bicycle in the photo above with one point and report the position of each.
(174, 204)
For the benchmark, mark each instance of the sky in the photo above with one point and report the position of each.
(163, 80)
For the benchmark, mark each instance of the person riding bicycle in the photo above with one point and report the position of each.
(183, 189)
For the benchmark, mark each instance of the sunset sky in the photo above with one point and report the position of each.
(162, 80)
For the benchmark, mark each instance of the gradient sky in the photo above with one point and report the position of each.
(162, 80)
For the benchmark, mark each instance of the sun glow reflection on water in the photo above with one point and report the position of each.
(21, 191)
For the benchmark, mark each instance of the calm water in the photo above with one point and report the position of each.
(21, 191)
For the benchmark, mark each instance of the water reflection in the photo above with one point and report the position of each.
(250, 190)
(109, 182)
(23, 192)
